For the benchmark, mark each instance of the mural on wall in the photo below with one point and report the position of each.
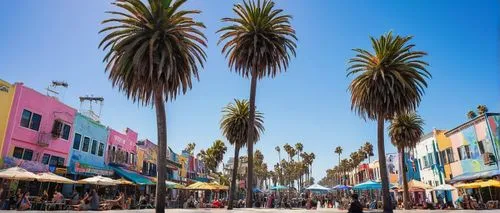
(392, 167)
(494, 122)
(32, 166)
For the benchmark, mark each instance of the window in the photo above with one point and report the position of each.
(86, 144)
(467, 151)
(60, 129)
(56, 161)
(25, 154)
(431, 159)
(94, 147)
(426, 163)
(18, 152)
(101, 149)
(442, 155)
(126, 157)
(449, 154)
(464, 152)
(45, 159)
(76, 141)
(31, 120)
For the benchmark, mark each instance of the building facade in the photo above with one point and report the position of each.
(7, 91)
(475, 146)
(39, 131)
(445, 153)
(427, 154)
(122, 149)
(88, 149)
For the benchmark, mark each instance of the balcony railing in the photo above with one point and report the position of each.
(44, 139)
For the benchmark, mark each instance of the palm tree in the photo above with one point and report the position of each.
(153, 53)
(405, 131)
(190, 148)
(259, 43)
(338, 150)
(299, 147)
(471, 115)
(481, 109)
(234, 122)
(277, 148)
(389, 81)
(217, 150)
(368, 149)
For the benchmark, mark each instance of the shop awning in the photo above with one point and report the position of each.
(474, 176)
(132, 176)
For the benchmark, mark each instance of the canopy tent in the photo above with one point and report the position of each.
(479, 184)
(53, 178)
(468, 185)
(444, 187)
(317, 187)
(342, 187)
(219, 186)
(17, 173)
(99, 180)
(418, 184)
(132, 176)
(369, 185)
(490, 183)
(279, 187)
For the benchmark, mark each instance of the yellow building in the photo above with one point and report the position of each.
(445, 152)
(7, 91)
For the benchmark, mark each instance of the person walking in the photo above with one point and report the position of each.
(355, 206)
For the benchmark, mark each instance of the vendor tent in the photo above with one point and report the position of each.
(17, 173)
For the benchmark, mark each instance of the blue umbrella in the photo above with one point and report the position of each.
(279, 187)
(369, 185)
(341, 187)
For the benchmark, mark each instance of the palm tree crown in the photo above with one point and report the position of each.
(390, 80)
(260, 39)
(406, 130)
(234, 123)
(153, 48)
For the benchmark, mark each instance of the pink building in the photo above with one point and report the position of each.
(39, 130)
(122, 148)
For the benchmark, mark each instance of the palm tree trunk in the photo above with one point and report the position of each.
(402, 165)
(386, 198)
(250, 139)
(279, 165)
(161, 123)
(233, 179)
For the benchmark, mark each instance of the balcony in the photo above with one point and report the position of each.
(44, 139)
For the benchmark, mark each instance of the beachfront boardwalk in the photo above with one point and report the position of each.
(272, 210)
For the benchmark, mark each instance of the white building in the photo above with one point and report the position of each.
(427, 154)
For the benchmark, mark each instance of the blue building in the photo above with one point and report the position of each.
(88, 148)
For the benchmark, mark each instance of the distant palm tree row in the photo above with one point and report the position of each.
(481, 109)
(288, 171)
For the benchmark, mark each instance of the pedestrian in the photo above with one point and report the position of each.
(355, 206)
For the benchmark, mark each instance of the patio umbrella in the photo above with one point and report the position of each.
(341, 187)
(219, 187)
(201, 186)
(490, 183)
(17, 173)
(444, 187)
(369, 185)
(173, 185)
(468, 185)
(53, 178)
(122, 181)
(279, 187)
(317, 187)
(99, 180)
(418, 184)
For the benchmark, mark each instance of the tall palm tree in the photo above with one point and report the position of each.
(259, 43)
(386, 82)
(368, 149)
(218, 150)
(277, 148)
(153, 52)
(299, 147)
(471, 114)
(338, 150)
(190, 148)
(405, 131)
(234, 122)
(481, 109)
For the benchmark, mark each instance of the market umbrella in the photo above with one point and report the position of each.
(369, 185)
(219, 187)
(342, 187)
(99, 180)
(489, 183)
(279, 187)
(173, 185)
(468, 185)
(53, 178)
(17, 173)
(418, 184)
(122, 181)
(317, 187)
(444, 187)
(201, 186)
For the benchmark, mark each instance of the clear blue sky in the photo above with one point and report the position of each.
(57, 40)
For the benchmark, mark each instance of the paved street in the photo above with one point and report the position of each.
(282, 210)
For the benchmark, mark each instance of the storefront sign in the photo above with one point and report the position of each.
(86, 169)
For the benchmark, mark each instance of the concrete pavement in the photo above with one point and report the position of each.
(255, 210)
